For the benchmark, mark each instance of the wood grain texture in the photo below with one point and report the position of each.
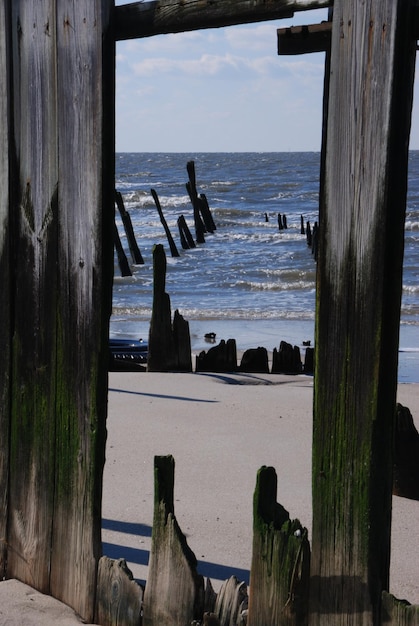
(280, 571)
(86, 202)
(143, 19)
(398, 612)
(119, 597)
(358, 307)
(59, 166)
(174, 592)
(5, 303)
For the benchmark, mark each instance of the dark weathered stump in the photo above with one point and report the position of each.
(161, 346)
(286, 360)
(280, 571)
(220, 358)
(406, 455)
(302, 229)
(119, 598)
(182, 340)
(255, 360)
(284, 222)
(280, 224)
(174, 592)
(309, 361)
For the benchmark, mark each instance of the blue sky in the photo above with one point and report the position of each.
(220, 90)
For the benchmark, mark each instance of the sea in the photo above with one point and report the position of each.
(250, 280)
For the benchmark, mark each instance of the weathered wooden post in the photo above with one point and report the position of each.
(56, 263)
(358, 307)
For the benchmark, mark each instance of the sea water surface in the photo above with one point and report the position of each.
(250, 280)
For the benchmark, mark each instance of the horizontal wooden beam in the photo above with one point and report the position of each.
(305, 39)
(158, 17)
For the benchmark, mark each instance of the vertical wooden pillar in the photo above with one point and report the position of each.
(5, 301)
(358, 307)
(59, 164)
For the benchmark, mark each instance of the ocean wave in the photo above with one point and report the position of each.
(276, 286)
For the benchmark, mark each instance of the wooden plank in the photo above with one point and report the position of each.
(85, 137)
(143, 19)
(304, 39)
(34, 216)
(358, 307)
(5, 300)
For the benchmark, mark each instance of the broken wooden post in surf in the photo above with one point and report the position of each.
(174, 592)
(196, 203)
(280, 570)
(206, 214)
(186, 238)
(359, 285)
(280, 224)
(172, 245)
(129, 231)
(120, 253)
(302, 229)
(161, 347)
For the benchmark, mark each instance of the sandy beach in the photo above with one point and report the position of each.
(220, 429)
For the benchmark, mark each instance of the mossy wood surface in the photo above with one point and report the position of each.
(59, 169)
(398, 612)
(358, 307)
(280, 571)
(174, 593)
(5, 282)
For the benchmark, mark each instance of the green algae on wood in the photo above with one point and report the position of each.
(280, 571)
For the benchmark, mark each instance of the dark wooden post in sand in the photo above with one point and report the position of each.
(358, 307)
(57, 209)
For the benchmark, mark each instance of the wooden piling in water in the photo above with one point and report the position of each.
(173, 249)
(126, 220)
(120, 253)
(185, 234)
(193, 194)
